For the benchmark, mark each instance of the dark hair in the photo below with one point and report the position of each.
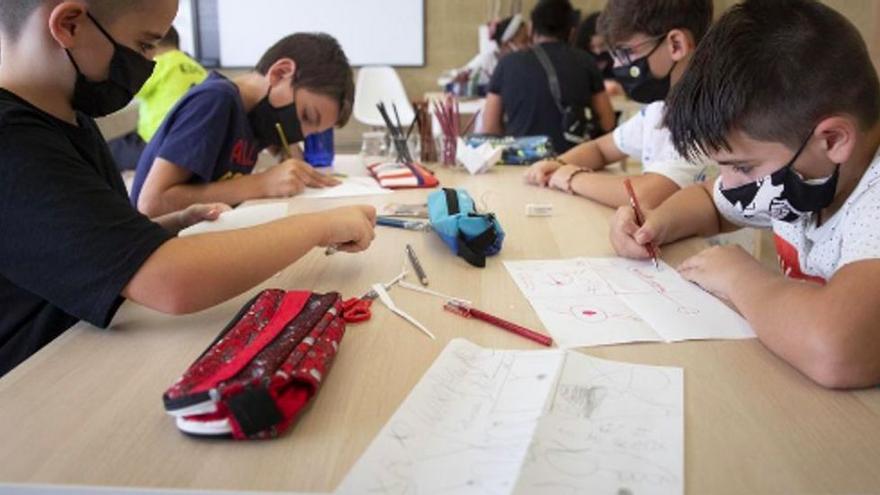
(553, 18)
(772, 69)
(586, 31)
(622, 19)
(15, 13)
(321, 66)
(171, 38)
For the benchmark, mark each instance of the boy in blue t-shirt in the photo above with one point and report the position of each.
(208, 145)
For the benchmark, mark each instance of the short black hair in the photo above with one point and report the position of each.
(321, 66)
(586, 31)
(172, 38)
(15, 13)
(772, 69)
(622, 19)
(554, 18)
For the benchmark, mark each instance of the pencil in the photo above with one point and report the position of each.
(285, 146)
(640, 219)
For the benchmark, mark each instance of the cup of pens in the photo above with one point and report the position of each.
(447, 114)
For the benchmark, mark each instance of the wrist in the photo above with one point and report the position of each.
(256, 185)
(569, 183)
(319, 228)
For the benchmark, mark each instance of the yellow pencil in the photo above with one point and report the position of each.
(284, 144)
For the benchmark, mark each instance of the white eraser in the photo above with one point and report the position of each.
(539, 210)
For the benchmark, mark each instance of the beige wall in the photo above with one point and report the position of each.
(451, 32)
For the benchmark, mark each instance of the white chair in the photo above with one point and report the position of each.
(381, 83)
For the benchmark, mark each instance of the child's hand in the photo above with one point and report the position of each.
(349, 229)
(292, 177)
(716, 269)
(628, 239)
(539, 173)
(309, 176)
(200, 213)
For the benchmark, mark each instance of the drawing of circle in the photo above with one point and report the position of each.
(589, 314)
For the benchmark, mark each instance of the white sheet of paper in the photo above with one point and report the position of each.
(350, 187)
(600, 301)
(611, 428)
(503, 422)
(240, 218)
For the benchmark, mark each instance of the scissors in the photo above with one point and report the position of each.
(357, 309)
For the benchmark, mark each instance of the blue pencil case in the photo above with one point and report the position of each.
(471, 235)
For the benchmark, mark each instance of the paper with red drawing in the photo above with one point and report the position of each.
(601, 301)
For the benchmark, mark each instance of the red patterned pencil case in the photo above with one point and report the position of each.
(263, 368)
(396, 175)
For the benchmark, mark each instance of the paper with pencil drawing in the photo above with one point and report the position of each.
(600, 301)
(521, 422)
(239, 218)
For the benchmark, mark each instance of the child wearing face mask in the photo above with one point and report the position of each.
(651, 43)
(798, 143)
(588, 38)
(72, 247)
(207, 147)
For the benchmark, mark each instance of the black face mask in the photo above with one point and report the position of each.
(784, 195)
(638, 81)
(129, 70)
(264, 118)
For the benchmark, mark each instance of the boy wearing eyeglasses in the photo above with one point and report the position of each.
(651, 42)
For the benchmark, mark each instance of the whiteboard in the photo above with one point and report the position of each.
(373, 32)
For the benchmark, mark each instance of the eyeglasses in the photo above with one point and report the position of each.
(624, 54)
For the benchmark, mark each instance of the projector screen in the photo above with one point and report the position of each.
(372, 32)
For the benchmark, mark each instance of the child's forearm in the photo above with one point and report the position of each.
(609, 190)
(827, 332)
(193, 273)
(587, 155)
(232, 191)
(687, 213)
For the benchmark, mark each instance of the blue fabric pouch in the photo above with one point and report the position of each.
(469, 234)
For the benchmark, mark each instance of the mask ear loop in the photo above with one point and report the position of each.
(800, 150)
(103, 31)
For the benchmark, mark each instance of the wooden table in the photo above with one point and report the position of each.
(87, 409)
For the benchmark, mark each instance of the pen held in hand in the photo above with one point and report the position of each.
(640, 220)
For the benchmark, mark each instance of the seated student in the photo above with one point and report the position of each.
(588, 38)
(174, 75)
(798, 141)
(208, 145)
(653, 41)
(72, 247)
(520, 101)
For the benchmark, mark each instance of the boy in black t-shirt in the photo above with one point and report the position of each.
(71, 245)
(520, 102)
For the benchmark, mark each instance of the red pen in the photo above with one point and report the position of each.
(466, 311)
(640, 219)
